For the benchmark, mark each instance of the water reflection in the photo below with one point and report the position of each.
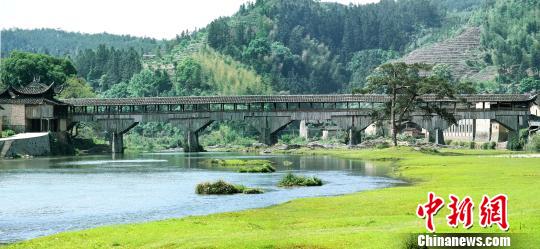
(49, 195)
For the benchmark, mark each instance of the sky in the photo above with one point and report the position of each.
(155, 18)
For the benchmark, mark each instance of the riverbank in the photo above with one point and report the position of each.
(373, 219)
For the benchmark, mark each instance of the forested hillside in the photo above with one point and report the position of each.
(61, 43)
(307, 46)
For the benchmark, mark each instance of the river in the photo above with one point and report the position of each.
(44, 196)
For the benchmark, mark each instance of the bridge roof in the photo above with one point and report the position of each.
(337, 98)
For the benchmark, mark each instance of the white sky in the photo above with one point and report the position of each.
(155, 18)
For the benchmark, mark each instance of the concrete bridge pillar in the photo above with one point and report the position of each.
(355, 136)
(117, 128)
(354, 125)
(191, 142)
(436, 136)
(191, 128)
(117, 143)
(268, 127)
(304, 129)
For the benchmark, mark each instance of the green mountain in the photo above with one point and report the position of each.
(62, 43)
(308, 46)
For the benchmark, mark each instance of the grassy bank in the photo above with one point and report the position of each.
(373, 219)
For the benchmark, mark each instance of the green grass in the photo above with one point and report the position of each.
(382, 218)
(266, 168)
(291, 180)
(242, 166)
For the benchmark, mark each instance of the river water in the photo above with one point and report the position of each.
(49, 195)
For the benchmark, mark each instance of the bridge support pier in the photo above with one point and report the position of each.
(355, 136)
(354, 125)
(268, 127)
(191, 128)
(117, 128)
(436, 136)
(117, 143)
(191, 142)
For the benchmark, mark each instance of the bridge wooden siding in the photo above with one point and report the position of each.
(270, 114)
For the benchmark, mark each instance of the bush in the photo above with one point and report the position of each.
(243, 166)
(534, 143)
(266, 168)
(489, 146)
(7, 133)
(382, 145)
(224, 135)
(291, 180)
(292, 139)
(513, 144)
(219, 187)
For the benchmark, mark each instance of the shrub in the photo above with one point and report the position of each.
(472, 145)
(219, 187)
(534, 143)
(292, 139)
(513, 144)
(291, 180)
(489, 146)
(7, 133)
(485, 146)
(266, 168)
(383, 145)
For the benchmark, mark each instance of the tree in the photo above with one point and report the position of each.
(148, 84)
(21, 68)
(405, 86)
(363, 62)
(189, 77)
(529, 84)
(76, 88)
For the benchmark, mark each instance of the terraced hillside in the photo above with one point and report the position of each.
(455, 52)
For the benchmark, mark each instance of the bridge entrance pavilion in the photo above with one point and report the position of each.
(32, 108)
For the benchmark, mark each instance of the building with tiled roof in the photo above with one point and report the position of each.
(32, 108)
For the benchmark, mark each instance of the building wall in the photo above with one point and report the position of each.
(535, 110)
(13, 117)
(39, 111)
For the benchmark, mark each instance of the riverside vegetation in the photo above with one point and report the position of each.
(372, 219)
(242, 166)
(291, 180)
(221, 187)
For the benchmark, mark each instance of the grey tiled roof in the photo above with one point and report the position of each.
(368, 98)
(34, 88)
(30, 101)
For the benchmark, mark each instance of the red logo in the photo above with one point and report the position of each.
(492, 211)
(461, 211)
(430, 209)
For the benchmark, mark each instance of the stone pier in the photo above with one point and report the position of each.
(268, 127)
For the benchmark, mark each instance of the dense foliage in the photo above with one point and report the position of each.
(511, 36)
(291, 180)
(304, 46)
(21, 68)
(107, 66)
(61, 43)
